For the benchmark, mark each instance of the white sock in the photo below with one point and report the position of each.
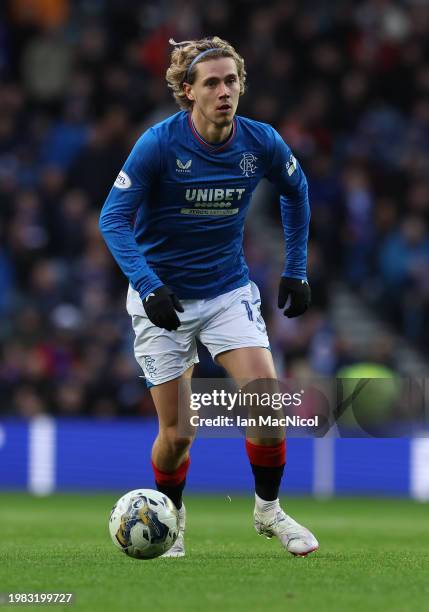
(265, 506)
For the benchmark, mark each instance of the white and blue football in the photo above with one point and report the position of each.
(144, 524)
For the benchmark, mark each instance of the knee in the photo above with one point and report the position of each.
(178, 444)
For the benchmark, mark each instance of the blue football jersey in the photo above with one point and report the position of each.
(175, 214)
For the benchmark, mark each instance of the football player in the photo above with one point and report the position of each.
(174, 222)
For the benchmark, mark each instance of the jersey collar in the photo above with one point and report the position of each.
(207, 145)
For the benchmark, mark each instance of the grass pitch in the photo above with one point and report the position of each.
(374, 555)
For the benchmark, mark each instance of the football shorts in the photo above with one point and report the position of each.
(229, 321)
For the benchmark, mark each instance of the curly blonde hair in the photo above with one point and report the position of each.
(182, 57)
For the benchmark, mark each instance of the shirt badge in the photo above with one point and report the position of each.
(247, 164)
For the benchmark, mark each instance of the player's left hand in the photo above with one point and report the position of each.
(300, 296)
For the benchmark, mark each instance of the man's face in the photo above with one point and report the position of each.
(216, 90)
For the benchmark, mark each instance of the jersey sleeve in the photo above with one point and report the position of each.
(287, 176)
(130, 191)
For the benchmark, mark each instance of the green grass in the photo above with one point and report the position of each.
(374, 555)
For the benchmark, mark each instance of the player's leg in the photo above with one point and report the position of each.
(167, 360)
(235, 334)
(267, 457)
(170, 451)
(266, 452)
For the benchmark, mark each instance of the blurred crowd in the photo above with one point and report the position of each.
(346, 84)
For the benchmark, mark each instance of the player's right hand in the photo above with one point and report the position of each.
(160, 306)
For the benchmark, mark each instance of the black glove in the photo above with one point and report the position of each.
(300, 296)
(161, 306)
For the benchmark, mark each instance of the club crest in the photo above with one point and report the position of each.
(247, 164)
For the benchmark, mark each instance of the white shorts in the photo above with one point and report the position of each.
(228, 321)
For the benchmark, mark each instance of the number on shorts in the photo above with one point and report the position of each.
(248, 309)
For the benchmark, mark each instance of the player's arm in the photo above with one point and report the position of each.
(287, 175)
(130, 191)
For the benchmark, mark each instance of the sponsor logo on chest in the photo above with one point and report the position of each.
(214, 195)
(213, 201)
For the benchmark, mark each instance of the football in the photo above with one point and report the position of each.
(144, 524)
